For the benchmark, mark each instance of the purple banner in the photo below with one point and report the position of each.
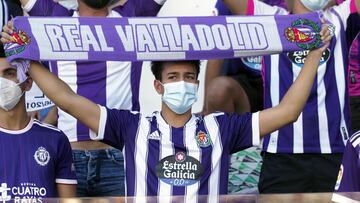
(155, 38)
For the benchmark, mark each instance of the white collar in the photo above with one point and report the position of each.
(16, 132)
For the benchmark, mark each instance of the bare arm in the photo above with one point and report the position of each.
(357, 2)
(24, 2)
(296, 97)
(237, 7)
(60, 93)
(66, 190)
(213, 69)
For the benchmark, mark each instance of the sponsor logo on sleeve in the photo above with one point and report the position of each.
(179, 170)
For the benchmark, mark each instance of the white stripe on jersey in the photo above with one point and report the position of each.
(67, 123)
(217, 148)
(51, 127)
(354, 136)
(275, 97)
(118, 80)
(101, 128)
(322, 114)
(166, 149)
(298, 142)
(355, 139)
(193, 151)
(340, 81)
(255, 120)
(66, 181)
(356, 142)
(141, 154)
(4, 16)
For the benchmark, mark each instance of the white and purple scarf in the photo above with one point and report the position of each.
(161, 38)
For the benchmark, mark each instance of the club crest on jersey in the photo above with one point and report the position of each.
(179, 170)
(20, 39)
(203, 139)
(42, 156)
(304, 33)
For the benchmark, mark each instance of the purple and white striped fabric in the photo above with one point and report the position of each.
(114, 84)
(349, 173)
(324, 124)
(192, 160)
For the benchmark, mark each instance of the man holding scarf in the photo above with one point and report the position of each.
(113, 84)
(175, 152)
(305, 156)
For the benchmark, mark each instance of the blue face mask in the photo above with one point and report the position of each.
(315, 5)
(180, 96)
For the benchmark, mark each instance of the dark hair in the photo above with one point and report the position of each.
(2, 52)
(157, 67)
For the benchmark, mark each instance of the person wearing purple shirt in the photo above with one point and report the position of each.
(175, 152)
(349, 173)
(353, 37)
(36, 160)
(309, 150)
(113, 84)
(235, 85)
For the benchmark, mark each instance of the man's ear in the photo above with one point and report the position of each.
(158, 87)
(28, 84)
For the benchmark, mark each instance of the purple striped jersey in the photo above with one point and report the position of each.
(113, 84)
(161, 160)
(33, 160)
(323, 126)
(354, 67)
(4, 16)
(349, 173)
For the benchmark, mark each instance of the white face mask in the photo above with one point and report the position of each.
(10, 94)
(180, 96)
(315, 5)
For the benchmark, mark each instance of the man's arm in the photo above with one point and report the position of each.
(357, 3)
(60, 93)
(296, 97)
(66, 190)
(213, 69)
(24, 2)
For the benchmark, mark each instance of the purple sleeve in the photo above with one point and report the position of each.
(49, 8)
(349, 174)
(119, 125)
(65, 171)
(241, 131)
(134, 8)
